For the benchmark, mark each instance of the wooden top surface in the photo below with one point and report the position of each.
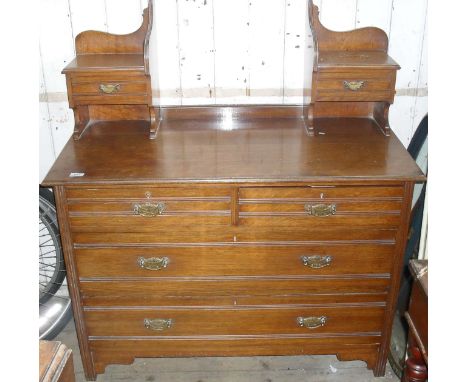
(262, 150)
(356, 59)
(96, 62)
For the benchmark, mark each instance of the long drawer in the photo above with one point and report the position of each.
(146, 209)
(315, 207)
(234, 321)
(146, 291)
(201, 236)
(338, 298)
(234, 260)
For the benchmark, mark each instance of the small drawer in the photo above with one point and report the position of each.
(316, 207)
(79, 194)
(109, 89)
(233, 321)
(370, 85)
(146, 209)
(203, 261)
(322, 192)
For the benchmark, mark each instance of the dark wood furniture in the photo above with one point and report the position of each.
(353, 76)
(55, 362)
(417, 317)
(235, 233)
(110, 78)
(233, 237)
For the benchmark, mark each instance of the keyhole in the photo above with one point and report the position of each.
(148, 194)
(321, 195)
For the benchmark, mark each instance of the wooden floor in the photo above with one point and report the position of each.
(229, 369)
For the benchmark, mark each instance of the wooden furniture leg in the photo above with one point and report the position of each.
(81, 120)
(415, 368)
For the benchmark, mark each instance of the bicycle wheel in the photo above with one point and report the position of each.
(54, 302)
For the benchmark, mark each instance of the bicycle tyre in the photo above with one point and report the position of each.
(51, 265)
(54, 302)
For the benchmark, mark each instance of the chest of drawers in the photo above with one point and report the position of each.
(258, 240)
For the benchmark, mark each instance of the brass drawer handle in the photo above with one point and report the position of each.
(109, 88)
(317, 261)
(312, 322)
(149, 209)
(353, 85)
(320, 209)
(153, 263)
(157, 324)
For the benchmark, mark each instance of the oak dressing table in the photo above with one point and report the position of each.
(235, 237)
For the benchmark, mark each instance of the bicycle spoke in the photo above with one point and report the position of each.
(46, 253)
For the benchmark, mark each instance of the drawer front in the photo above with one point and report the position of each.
(370, 85)
(331, 192)
(146, 209)
(235, 261)
(244, 235)
(146, 291)
(151, 300)
(318, 207)
(233, 321)
(110, 89)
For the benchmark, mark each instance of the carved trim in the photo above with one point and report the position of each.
(309, 121)
(155, 121)
(135, 42)
(81, 114)
(149, 20)
(381, 117)
(369, 357)
(368, 38)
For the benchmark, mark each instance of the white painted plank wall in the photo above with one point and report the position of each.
(232, 50)
(227, 52)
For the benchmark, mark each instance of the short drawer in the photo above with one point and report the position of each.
(109, 89)
(233, 321)
(322, 192)
(356, 85)
(145, 210)
(235, 261)
(316, 207)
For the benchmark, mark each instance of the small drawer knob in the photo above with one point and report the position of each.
(149, 209)
(353, 85)
(109, 88)
(153, 263)
(320, 209)
(316, 261)
(157, 324)
(312, 322)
